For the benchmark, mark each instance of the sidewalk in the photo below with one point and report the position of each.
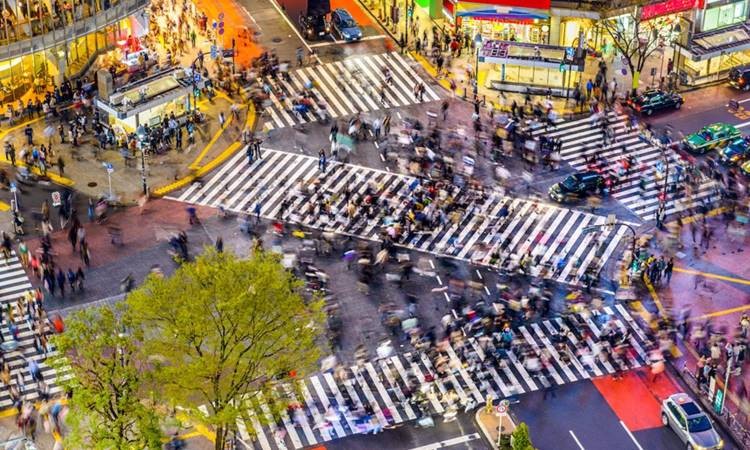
(83, 167)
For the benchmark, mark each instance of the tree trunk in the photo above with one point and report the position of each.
(636, 76)
(221, 432)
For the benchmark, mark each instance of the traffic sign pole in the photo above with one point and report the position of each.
(14, 190)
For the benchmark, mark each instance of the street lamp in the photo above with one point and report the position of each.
(478, 45)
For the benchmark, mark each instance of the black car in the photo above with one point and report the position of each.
(739, 77)
(576, 186)
(314, 27)
(655, 100)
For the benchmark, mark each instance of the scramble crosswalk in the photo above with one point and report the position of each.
(381, 385)
(492, 230)
(346, 87)
(14, 283)
(580, 140)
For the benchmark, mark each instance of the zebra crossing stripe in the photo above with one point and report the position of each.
(467, 379)
(386, 371)
(323, 397)
(531, 341)
(405, 65)
(339, 398)
(544, 231)
(311, 406)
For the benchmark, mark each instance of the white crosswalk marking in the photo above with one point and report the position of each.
(14, 283)
(554, 235)
(346, 88)
(381, 382)
(582, 141)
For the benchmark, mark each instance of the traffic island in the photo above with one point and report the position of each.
(497, 427)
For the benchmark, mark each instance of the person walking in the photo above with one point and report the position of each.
(322, 160)
(249, 153)
(61, 282)
(61, 166)
(668, 270)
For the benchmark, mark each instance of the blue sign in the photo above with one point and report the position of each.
(570, 52)
(214, 51)
(196, 77)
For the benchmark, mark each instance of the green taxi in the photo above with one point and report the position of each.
(716, 135)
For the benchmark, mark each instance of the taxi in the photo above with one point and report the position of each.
(716, 135)
(680, 413)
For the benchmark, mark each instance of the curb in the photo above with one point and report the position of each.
(485, 432)
(199, 171)
(707, 407)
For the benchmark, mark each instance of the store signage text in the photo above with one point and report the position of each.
(669, 7)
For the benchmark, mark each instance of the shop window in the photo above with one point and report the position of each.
(725, 15)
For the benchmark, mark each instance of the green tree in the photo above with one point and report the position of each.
(520, 439)
(99, 354)
(224, 329)
(634, 39)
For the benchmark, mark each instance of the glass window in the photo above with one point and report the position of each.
(711, 19)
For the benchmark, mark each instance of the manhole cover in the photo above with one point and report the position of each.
(276, 40)
(92, 184)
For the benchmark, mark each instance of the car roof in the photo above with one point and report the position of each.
(587, 174)
(343, 13)
(719, 125)
(686, 404)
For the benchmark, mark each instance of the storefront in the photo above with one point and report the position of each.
(539, 69)
(507, 20)
(721, 42)
(37, 71)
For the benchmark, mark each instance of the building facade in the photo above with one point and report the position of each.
(42, 42)
(704, 38)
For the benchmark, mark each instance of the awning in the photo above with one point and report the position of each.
(718, 42)
(499, 12)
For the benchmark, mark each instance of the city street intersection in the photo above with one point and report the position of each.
(429, 243)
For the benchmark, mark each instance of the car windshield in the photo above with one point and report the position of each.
(347, 23)
(698, 424)
(570, 183)
(706, 135)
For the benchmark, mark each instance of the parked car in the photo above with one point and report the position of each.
(736, 152)
(576, 186)
(680, 413)
(314, 27)
(655, 100)
(344, 25)
(739, 77)
(716, 135)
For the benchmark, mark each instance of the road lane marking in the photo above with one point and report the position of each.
(449, 442)
(713, 275)
(744, 124)
(720, 313)
(576, 439)
(638, 446)
(339, 41)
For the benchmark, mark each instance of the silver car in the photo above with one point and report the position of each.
(691, 424)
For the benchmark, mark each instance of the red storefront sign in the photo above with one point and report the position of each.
(669, 7)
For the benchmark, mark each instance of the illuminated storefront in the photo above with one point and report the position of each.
(508, 20)
(31, 63)
(540, 69)
(719, 42)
